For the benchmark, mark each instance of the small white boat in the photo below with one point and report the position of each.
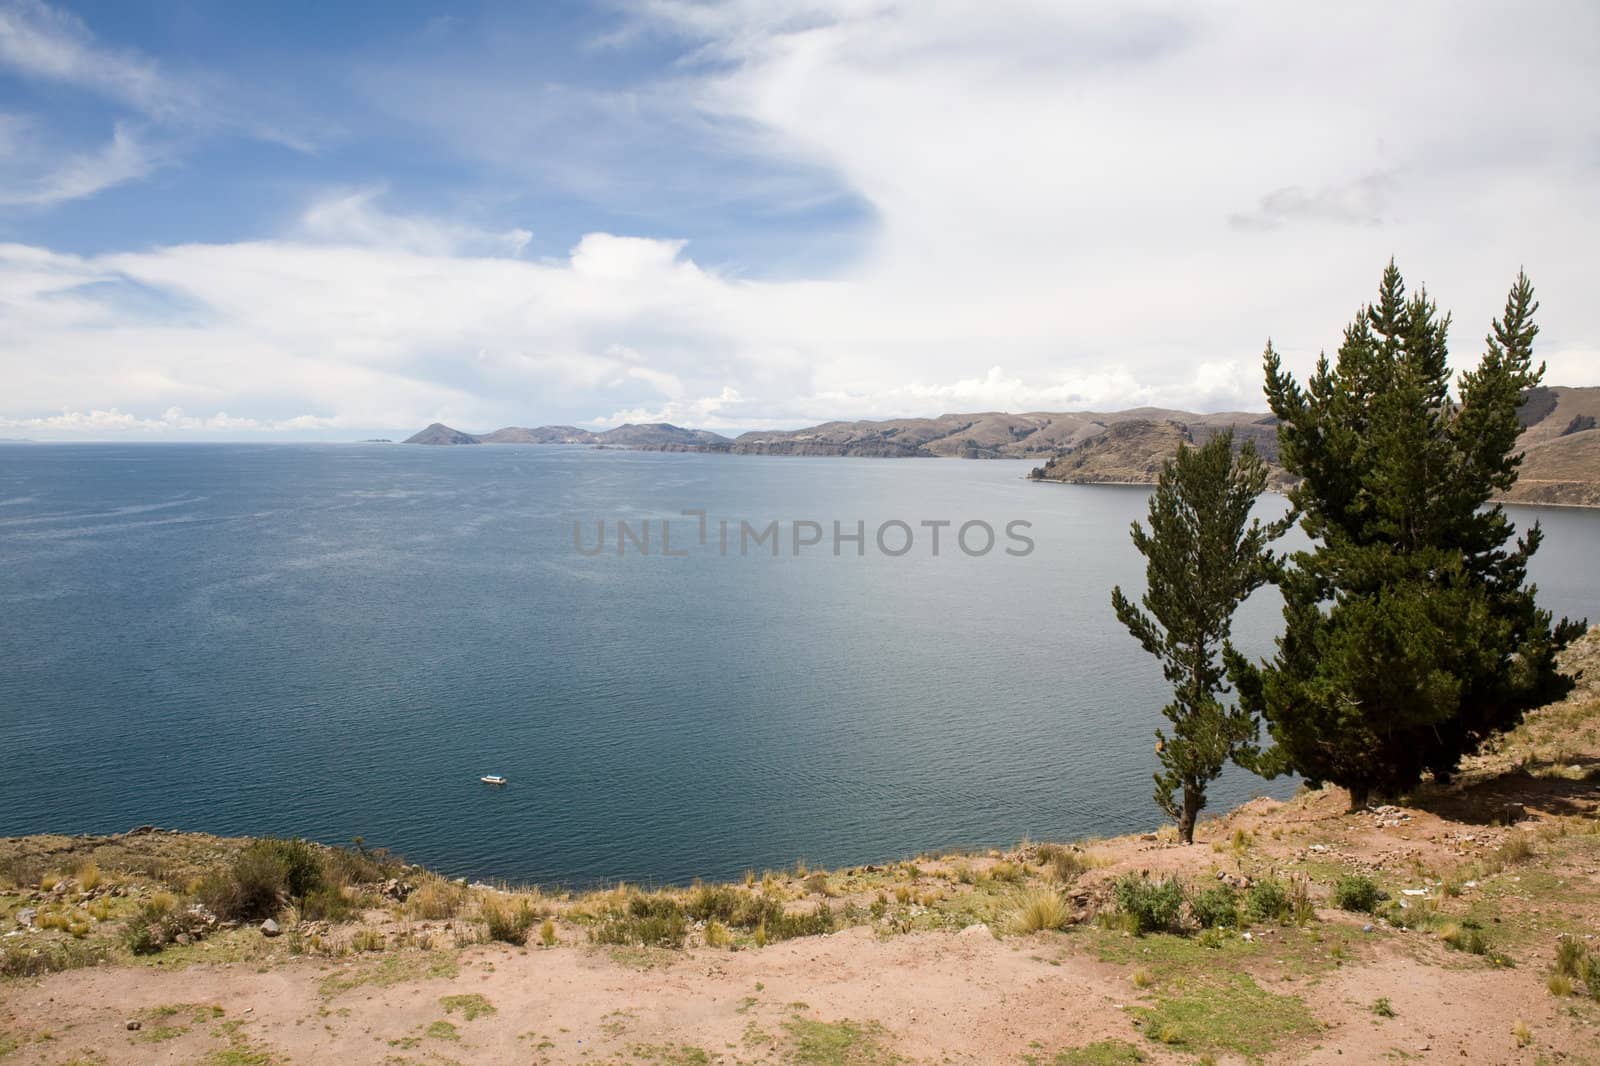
(492, 779)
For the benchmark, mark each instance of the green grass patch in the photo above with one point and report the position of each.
(442, 1030)
(1225, 1012)
(1100, 1053)
(389, 970)
(841, 1043)
(671, 1054)
(240, 1051)
(471, 1006)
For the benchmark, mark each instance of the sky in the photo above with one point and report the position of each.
(323, 221)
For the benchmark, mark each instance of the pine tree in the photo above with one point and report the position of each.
(1410, 633)
(1204, 555)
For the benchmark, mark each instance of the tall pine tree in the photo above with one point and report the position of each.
(1410, 632)
(1203, 556)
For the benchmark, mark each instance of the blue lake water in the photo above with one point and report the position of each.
(338, 640)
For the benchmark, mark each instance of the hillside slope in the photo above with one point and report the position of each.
(1560, 441)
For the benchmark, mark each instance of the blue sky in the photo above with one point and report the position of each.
(222, 220)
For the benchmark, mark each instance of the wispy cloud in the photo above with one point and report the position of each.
(124, 158)
(1356, 203)
(40, 41)
(356, 217)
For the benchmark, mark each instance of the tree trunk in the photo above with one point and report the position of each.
(1191, 811)
(1360, 793)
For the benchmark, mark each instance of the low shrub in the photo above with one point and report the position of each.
(1216, 907)
(506, 923)
(1064, 863)
(1464, 936)
(653, 921)
(782, 925)
(359, 864)
(327, 904)
(436, 899)
(143, 935)
(1356, 893)
(264, 875)
(1572, 957)
(1575, 964)
(1149, 906)
(1518, 847)
(1268, 900)
(720, 902)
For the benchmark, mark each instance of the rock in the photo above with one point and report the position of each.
(133, 1025)
(396, 890)
(25, 917)
(269, 928)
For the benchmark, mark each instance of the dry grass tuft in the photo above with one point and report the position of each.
(1037, 910)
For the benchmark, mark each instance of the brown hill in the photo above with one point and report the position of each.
(654, 436)
(1129, 452)
(439, 433)
(985, 435)
(1561, 437)
(1561, 470)
(541, 435)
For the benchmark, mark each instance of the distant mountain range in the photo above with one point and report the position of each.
(1561, 439)
(990, 435)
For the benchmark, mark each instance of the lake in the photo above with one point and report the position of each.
(338, 640)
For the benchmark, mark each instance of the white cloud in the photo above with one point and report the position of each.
(113, 421)
(354, 217)
(706, 412)
(1074, 206)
